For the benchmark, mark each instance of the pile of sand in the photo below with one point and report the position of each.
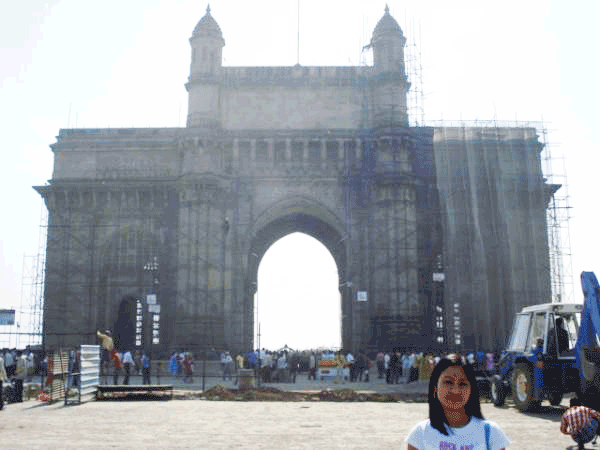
(220, 392)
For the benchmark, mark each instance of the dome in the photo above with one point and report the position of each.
(207, 27)
(387, 24)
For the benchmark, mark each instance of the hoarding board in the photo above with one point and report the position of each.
(7, 316)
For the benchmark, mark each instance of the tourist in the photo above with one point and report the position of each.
(107, 343)
(145, 363)
(188, 368)
(20, 374)
(386, 366)
(173, 368)
(341, 364)
(365, 372)
(350, 362)
(281, 368)
(580, 422)
(380, 358)
(312, 367)
(30, 365)
(455, 419)
(9, 363)
(180, 368)
(128, 363)
(396, 366)
(405, 361)
(228, 367)
(294, 365)
(222, 358)
(359, 367)
(414, 368)
(3, 380)
(137, 359)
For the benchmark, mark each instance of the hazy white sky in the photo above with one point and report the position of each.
(124, 64)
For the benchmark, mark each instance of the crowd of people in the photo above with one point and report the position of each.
(15, 367)
(126, 361)
(181, 365)
(394, 366)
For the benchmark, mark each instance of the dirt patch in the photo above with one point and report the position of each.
(220, 392)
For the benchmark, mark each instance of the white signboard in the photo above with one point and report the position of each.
(438, 277)
(154, 309)
(151, 299)
(361, 296)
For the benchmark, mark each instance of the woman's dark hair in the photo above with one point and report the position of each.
(437, 417)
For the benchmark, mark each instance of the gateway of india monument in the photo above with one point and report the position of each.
(439, 234)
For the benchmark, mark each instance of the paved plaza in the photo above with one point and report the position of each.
(220, 424)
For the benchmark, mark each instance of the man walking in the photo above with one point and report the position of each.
(380, 364)
(128, 364)
(145, 362)
(312, 366)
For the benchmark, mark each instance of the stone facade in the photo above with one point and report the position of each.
(267, 151)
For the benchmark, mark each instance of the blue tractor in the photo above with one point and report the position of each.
(553, 350)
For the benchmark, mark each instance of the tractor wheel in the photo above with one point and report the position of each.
(556, 398)
(523, 388)
(497, 391)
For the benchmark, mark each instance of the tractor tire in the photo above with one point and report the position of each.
(556, 398)
(523, 388)
(497, 391)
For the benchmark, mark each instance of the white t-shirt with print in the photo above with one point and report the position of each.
(470, 437)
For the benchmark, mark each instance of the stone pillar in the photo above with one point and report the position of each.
(341, 149)
(270, 152)
(236, 154)
(288, 150)
(305, 157)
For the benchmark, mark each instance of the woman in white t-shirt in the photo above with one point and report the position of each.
(455, 419)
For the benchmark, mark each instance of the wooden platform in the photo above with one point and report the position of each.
(107, 391)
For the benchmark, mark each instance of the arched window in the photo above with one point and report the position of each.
(204, 54)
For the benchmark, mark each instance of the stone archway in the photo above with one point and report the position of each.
(308, 217)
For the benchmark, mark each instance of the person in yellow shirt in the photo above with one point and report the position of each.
(239, 364)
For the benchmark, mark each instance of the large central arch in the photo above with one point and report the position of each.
(304, 215)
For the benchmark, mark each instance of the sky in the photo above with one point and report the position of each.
(76, 64)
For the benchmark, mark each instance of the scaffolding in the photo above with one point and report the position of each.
(414, 73)
(494, 138)
(27, 330)
(558, 214)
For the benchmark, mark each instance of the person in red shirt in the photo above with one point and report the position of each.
(580, 422)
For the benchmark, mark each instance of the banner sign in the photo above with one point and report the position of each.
(7, 316)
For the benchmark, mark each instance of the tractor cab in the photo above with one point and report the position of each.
(539, 362)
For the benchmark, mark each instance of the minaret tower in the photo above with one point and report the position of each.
(391, 84)
(203, 85)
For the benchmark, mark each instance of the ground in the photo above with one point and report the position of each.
(231, 424)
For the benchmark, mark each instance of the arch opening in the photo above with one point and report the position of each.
(319, 227)
(297, 303)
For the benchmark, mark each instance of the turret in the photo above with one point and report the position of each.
(391, 84)
(388, 45)
(203, 85)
